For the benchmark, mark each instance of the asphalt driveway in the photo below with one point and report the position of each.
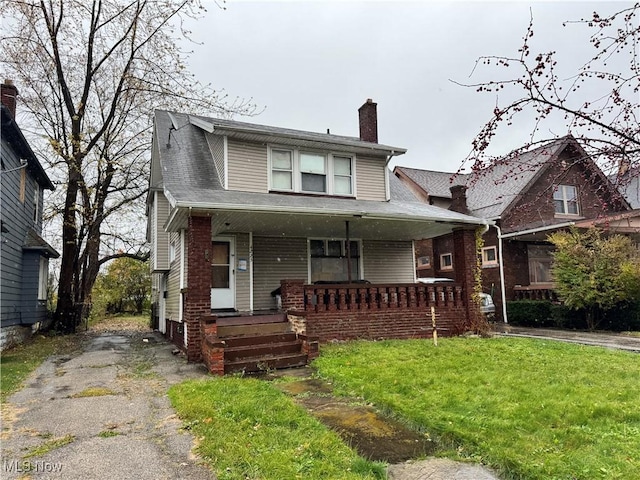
(101, 414)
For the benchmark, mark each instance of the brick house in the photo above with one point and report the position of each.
(258, 230)
(528, 196)
(24, 254)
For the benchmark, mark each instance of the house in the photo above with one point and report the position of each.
(528, 196)
(252, 224)
(24, 266)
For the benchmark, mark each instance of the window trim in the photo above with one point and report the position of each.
(566, 200)
(296, 171)
(442, 262)
(483, 258)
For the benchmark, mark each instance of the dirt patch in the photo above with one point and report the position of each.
(372, 434)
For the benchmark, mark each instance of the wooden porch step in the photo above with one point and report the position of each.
(262, 350)
(259, 364)
(254, 340)
(254, 330)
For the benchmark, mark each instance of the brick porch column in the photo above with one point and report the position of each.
(465, 261)
(197, 301)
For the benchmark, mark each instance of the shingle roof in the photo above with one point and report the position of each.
(435, 183)
(33, 241)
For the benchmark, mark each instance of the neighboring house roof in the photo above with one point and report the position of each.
(12, 133)
(190, 180)
(629, 186)
(493, 190)
(33, 241)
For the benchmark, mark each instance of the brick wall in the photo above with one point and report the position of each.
(197, 300)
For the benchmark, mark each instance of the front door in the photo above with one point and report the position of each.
(222, 273)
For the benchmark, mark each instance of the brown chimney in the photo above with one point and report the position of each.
(9, 94)
(369, 121)
(459, 199)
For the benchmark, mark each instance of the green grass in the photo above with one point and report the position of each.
(529, 408)
(248, 429)
(48, 446)
(17, 363)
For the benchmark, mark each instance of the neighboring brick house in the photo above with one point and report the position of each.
(241, 214)
(24, 265)
(528, 196)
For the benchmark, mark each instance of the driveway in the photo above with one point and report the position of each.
(102, 413)
(598, 339)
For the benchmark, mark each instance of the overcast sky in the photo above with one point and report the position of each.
(311, 65)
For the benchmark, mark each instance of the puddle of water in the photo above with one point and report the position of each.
(373, 435)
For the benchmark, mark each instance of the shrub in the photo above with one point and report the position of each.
(530, 313)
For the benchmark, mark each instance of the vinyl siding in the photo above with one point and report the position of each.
(276, 259)
(160, 238)
(173, 283)
(18, 289)
(216, 145)
(247, 167)
(388, 262)
(243, 279)
(370, 178)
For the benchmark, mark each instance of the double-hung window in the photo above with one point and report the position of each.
(294, 170)
(565, 200)
(489, 257)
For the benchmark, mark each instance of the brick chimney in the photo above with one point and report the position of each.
(459, 199)
(369, 121)
(9, 94)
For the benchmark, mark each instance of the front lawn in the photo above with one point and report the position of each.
(531, 409)
(248, 429)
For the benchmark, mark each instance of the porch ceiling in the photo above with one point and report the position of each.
(300, 225)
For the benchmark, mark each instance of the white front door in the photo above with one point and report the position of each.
(223, 273)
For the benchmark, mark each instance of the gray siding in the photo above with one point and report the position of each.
(370, 178)
(276, 259)
(248, 167)
(243, 279)
(18, 290)
(388, 262)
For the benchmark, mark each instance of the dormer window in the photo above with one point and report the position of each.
(565, 200)
(294, 170)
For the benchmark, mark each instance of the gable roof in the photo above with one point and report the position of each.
(190, 180)
(494, 190)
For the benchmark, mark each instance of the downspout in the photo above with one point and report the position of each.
(387, 192)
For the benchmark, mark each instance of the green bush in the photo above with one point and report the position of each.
(530, 313)
(623, 317)
(567, 318)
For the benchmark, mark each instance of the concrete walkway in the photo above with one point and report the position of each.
(102, 413)
(598, 339)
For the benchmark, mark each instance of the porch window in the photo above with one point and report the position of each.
(489, 257)
(565, 200)
(424, 262)
(446, 261)
(540, 259)
(328, 260)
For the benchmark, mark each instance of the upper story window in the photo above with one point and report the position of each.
(36, 202)
(303, 171)
(565, 200)
(489, 257)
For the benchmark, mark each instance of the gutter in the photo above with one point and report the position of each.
(503, 292)
(539, 229)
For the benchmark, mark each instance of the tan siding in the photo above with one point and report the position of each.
(388, 262)
(161, 213)
(276, 259)
(216, 145)
(248, 167)
(243, 279)
(173, 283)
(370, 178)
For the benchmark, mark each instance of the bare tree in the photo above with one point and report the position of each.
(90, 74)
(599, 104)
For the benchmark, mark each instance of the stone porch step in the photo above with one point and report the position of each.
(262, 363)
(253, 340)
(240, 319)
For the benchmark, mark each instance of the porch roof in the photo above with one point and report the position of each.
(275, 214)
